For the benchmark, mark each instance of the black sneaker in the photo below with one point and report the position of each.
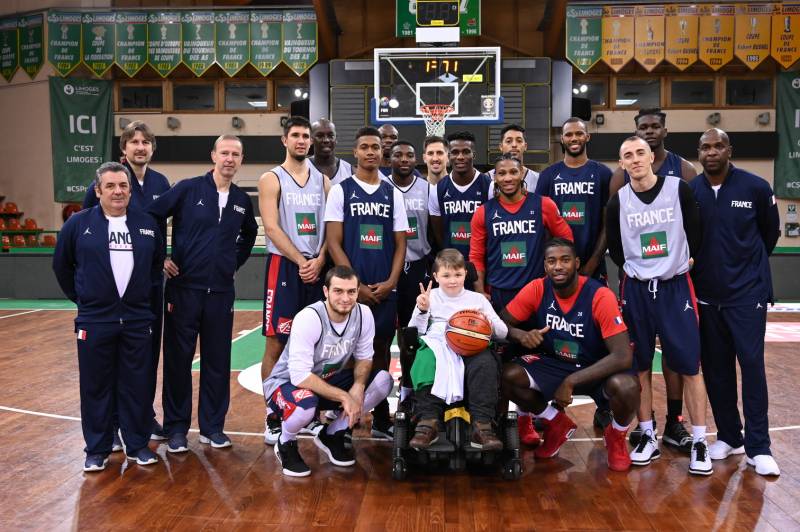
(273, 429)
(157, 432)
(177, 443)
(602, 418)
(383, 430)
(95, 462)
(143, 456)
(676, 435)
(333, 446)
(636, 433)
(348, 438)
(218, 440)
(290, 459)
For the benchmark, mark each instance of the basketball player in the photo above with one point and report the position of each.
(213, 232)
(584, 349)
(107, 260)
(366, 226)
(651, 126)
(512, 142)
(435, 156)
(454, 199)
(389, 136)
(734, 286)
(323, 134)
(291, 199)
(653, 230)
(313, 373)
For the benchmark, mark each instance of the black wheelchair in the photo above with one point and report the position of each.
(453, 446)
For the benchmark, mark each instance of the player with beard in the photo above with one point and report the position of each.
(512, 142)
(323, 134)
(434, 154)
(389, 136)
(584, 348)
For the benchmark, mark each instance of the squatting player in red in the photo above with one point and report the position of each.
(584, 349)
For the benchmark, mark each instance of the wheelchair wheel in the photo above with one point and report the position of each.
(511, 431)
(400, 431)
(399, 469)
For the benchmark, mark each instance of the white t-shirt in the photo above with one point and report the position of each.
(442, 308)
(120, 251)
(223, 201)
(433, 198)
(716, 188)
(334, 205)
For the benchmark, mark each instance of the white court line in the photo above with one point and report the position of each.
(21, 313)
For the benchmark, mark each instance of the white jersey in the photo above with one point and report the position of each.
(300, 211)
(343, 171)
(531, 179)
(415, 199)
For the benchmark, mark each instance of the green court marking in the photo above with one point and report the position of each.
(36, 304)
(245, 351)
(657, 362)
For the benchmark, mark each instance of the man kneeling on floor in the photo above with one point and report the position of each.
(313, 372)
(584, 349)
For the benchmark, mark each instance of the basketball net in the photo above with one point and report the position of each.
(435, 116)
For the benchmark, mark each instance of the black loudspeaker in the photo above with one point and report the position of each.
(581, 108)
(301, 108)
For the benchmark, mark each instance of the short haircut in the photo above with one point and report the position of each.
(130, 131)
(507, 157)
(560, 242)
(511, 127)
(367, 131)
(296, 121)
(449, 258)
(652, 111)
(433, 139)
(340, 272)
(227, 137)
(461, 135)
(401, 143)
(110, 167)
(632, 138)
(574, 120)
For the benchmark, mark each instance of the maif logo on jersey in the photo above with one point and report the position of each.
(412, 233)
(306, 223)
(460, 232)
(567, 350)
(514, 254)
(370, 236)
(574, 212)
(329, 370)
(654, 245)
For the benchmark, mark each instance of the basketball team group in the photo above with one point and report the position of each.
(355, 254)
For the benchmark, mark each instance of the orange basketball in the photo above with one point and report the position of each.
(468, 332)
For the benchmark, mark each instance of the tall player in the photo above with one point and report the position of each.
(323, 134)
(435, 156)
(291, 198)
(653, 230)
(512, 142)
(734, 286)
(651, 126)
(366, 228)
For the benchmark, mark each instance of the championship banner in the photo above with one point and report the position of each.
(265, 40)
(31, 44)
(130, 50)
(680, 41)
(786, 35)
(81, 127)
(98, 42)
(649, 27)
(198, 41)
(232, 40)
(299, 40)
(787, 116)
(752, 34)
(469, 19)
(64, 41)
(164, 42)
(584, 32)
(9, 47)
(716, 35)
(617, 36)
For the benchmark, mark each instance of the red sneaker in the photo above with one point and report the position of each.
(556, 433)
(527, 434)
(617, 447)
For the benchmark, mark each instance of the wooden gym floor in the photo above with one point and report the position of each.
(44, 487)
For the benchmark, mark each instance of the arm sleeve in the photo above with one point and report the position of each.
(301, 346)
(64, 260)
(605, 182)
(164, 206)
(334, 204)
(605, 311)
(553, 221)
(90, 199)
(543, 184)
(691, 218)
(364, 349)
(158, 258)
(419, 320)
(527, 301)
(477, 243)
(613, 235)
(247, 235)
(433, 202)
(769, 223)
(400, 221)
(499, 327)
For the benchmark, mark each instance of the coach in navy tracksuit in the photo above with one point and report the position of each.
(734, 285)
(138, 143)
(106, 261)
(213, 232)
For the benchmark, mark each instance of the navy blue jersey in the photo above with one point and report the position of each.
(514, 243)
(740, 229)
(670, 166)
(457, 208)
(368, 230)
(581, 195)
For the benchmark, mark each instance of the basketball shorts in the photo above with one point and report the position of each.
(285, 294)
(667, 309)
(547, 373)
(413, 274)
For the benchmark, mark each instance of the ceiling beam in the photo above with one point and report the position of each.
(328, 30)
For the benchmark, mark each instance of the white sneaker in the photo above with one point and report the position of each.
(765, 464)
(700, 461)
(272, 430)
(719, 450)
(312, 428)
(647, 450)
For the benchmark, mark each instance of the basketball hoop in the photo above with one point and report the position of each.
(435, 116)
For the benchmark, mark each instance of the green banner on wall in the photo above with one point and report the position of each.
(299, 40)
(98, 41)
(787, 163)
(64, 41)
(265, 40)
(81, 128)
(130, 50)
(469, 18)
(198, 41)
(232, 44)
(9, 47)
(584, 36)
(31, 44)
(164, 42)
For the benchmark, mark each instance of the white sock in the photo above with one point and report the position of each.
(647, 425)
(548, 413)
(298, 419)
(617, 426)
(405, 391)
(698, 433)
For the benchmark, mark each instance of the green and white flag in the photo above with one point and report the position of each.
(584, 36)
(31, 44)
(130, 50)
(299, 40)
(233, 40)
(787, 163)
(64, 41)
(98, 42)
(265, 40)
(164, 42)
(9, 47)
(198, 41)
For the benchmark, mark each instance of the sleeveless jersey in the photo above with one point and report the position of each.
(368, 227)
(332, 351)
(514, 243)
(670, 166)
(457, 208)
(343, 171)
(301, 211)
(653, 237)
(415, 198)
(574, 336)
